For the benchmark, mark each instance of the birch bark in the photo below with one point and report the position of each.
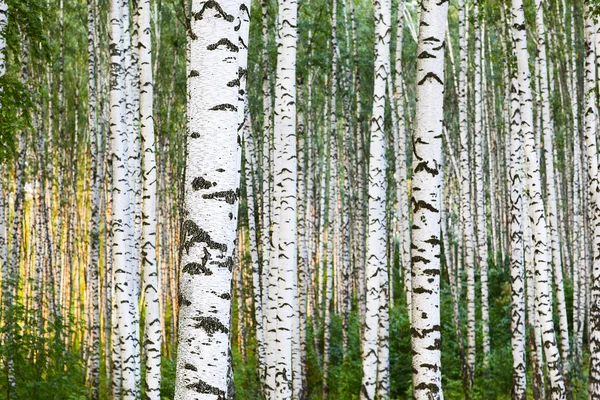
(591, 150)
(211, 202)
(151, 282)
(285, 166)
(376, 240)
(465, 190)
(426, 198)
(536, 206)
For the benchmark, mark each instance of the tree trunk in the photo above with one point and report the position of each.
(152, 286)
(536, 206)
(465, 192)
(377, 237)
(211, 202)
(427, 185)
(285, 167)
(591, 146)
(517, 269)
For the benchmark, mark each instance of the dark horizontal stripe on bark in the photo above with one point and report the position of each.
(210, 325)
(216, 6)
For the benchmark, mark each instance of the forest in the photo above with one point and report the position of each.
(303, 200)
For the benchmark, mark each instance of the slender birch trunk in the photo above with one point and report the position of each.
(401, 165)
(548, 135)
(427, 185)
(3, 24)
(482, 248)
(251, 185)
(591, 147)
(517, 268)
(377, 240)
(96, 167)
(332, 201)
(285, 165)
(536, 206)
(151, 286)
(465, 191)
(121, 222)
(577, 233)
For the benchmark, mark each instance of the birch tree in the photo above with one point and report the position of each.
(124, 274)
(479, 133)
(151, 283)
(465, 190)
(548, 135)
(537, 218)
(517, 268)
(211, 202)
(96, 161)
(377, 237)
(591, 150)
(427, 185)
(285, 165)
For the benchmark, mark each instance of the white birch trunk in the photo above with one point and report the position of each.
(3, 24)
(591, 148)
(427, 194)
(96, 172)
(285, 165)
(376, 240)
(251, 184)
(536, 207)
(401, 167)
(577, 234)
(211, 202)
(517, 268)
(152, 331)
(465, 192)
(124, 275)
(548, 135)
(482, 247)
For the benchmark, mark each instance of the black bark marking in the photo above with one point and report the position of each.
(197, 269)
(432, 387)
(194, 73)
(223, 107)
(423, 204)
(190, 367)
(192, 234)
(213, 4)
(224, 42)
(228, 196)
(205, 257)
(434, 241)
(205, 388)
(195, 135)
(210, 325)
(227, 263)
(424, 166)
(425, 54)
(417, 259)
(422, 290)
(430, 75)
(183, 301)
(201, 183)
(424, 332)
(233, 83)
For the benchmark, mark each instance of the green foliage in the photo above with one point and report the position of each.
(16, 102)
(167, 384)
(44, 367)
